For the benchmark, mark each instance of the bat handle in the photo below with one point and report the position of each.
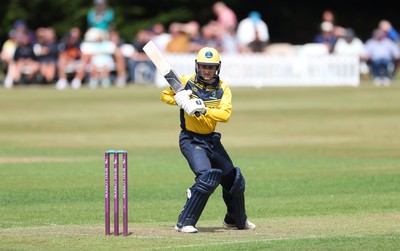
(197, 114)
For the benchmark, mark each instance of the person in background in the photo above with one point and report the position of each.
(180, 39)
(160, 37)
(389, 30)
(99, 50)
(248, 29)
(46, 50)
(226, 17)
(205, 101)
(382, 53)
(392, 34)
(7, 54)
(326, 36)
(25, 62)
(141, 69)
(69, 60)
(257, 45)
(120, 64)
(100, 16)
(349, 45)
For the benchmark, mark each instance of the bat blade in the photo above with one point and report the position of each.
(163, 66)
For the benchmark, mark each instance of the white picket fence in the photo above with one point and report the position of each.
(261, 70)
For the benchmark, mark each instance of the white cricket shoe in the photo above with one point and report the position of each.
(186, 229)
(121, 81)
(249, 225)
(61, 84)
(76, 83)
(8, 83)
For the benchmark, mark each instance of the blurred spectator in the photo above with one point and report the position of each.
(257, 45)
(180, 40)
(160, 37)
(69, 60)
(120, 64)
(20, 31)
(326, 35)
(8, 49)
(382, 53)
(248, 29)
(21, 28)
(390, 32)
(210, 37)
(46, 50)
(24, 63)
(226, 17)
(196, 39)
(141, 69)
(99, 50)
(349, 44)
(229, 44)
(100, 16)
(328, 16)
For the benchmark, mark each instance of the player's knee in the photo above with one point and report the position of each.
(208, 181)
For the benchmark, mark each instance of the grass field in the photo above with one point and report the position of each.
(322, 167)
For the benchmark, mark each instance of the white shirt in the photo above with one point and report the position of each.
(247, 28)
(355, 47)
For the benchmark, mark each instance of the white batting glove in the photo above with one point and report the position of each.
(182, 97)
(194, 105)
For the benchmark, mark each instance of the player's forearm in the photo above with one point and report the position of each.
(219, 115)
(167, 97)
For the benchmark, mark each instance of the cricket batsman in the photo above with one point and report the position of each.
(205, 101)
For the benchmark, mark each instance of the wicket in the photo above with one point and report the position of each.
(116, 154)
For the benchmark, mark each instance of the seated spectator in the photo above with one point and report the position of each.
(120, 64)
(248, 28)
(160, 37)
(7, 50)
(46, 50)
(69, 60)
(229, 44)
(349, 44)
(99, 50)
(209, 37)
(196, 37)
(24, 63)
(326, 36)
(382, 53)
(257, 45)
(21, 28)
(390, 32)
(180, 40)
(141, 69)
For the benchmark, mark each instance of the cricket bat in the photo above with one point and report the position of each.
(164, 67)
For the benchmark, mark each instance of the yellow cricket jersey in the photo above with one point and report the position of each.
(217, 98)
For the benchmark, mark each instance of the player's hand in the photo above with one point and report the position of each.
(194, 105)
(182, 97)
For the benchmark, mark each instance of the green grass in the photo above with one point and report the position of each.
(322, 168)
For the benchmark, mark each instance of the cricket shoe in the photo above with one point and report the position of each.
(249, 225)
(186, 229)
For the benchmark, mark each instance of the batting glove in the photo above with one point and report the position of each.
(182, 97)
(194, 105)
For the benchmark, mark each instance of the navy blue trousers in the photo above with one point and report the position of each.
(204, 152)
